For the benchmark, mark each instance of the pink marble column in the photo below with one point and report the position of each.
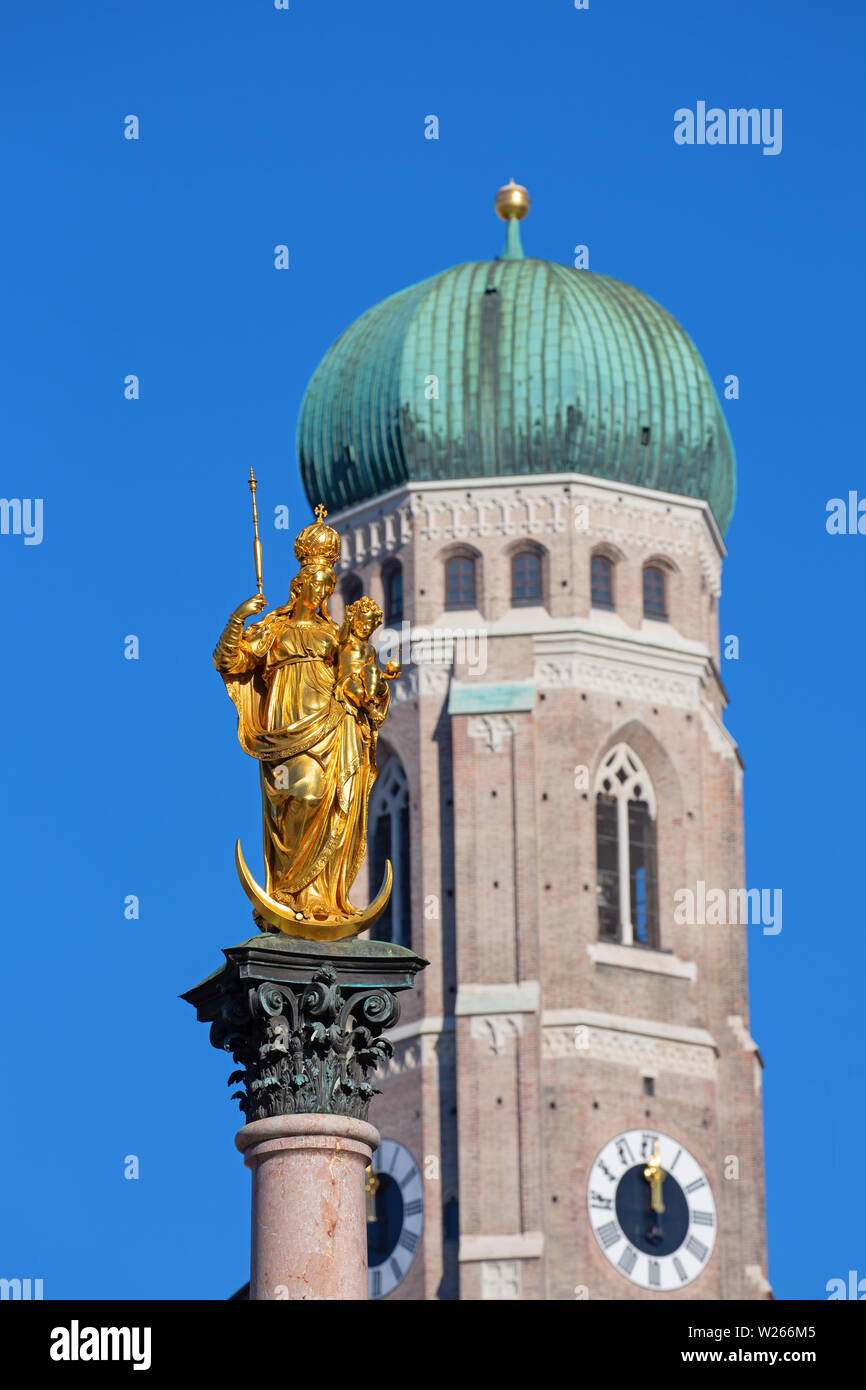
(309, 1220)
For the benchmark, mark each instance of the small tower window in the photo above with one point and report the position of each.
(526, 577)
(459, 582)
(654, 592)
(625, 821)
(601, 575)
(393, 586)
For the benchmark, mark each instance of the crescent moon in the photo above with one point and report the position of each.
(310, 928)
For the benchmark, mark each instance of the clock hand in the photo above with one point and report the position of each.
(655, 1176)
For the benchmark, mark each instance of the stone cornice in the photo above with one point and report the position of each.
(522, 1245)
(430, 1023)
(621, 1023)
(498, 999)
(583, 654)
(393, 511)
(639, 958)
(580, 658)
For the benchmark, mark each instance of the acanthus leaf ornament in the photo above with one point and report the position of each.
(304, 1048)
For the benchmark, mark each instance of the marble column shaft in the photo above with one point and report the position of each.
(309, 1224)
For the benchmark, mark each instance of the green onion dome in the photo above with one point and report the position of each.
(509, 368)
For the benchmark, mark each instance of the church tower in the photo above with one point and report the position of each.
(532, 475)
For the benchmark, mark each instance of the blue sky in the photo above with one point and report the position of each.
(155, 257)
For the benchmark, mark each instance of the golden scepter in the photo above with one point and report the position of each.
(257, 545)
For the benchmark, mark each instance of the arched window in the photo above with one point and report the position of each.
(459, 582)
(392, 582)
(526, 577)
(389, 839)
(625, 822)
(654, 605)
(601, 576)
(351, 590)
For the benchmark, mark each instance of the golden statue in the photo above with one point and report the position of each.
(311, 699)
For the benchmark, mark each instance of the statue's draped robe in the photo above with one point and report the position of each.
(281, 680)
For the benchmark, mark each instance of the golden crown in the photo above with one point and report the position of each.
(318, 543)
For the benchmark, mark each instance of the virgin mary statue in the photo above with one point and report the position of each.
(315, 746)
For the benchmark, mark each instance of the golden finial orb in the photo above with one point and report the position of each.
(512, 201)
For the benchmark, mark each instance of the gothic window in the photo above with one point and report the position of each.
(602, 581)
(459, 582)
(626, 860)
(526, 577)
(392, 582)
(654, 592)
(389, 839)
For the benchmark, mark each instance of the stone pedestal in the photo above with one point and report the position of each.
(303, 1021)
(309, 1222)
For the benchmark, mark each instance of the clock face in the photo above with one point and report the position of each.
(651, 1209)
(394, 1236)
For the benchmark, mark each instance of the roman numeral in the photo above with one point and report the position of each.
(377, 1282)
(680, 1271)
(626, 1157)
(600, 1203)
(693, 1186)
(655, 1274)
(404, 1182)
(695, 1248)
(609, 1234)
(414, 1208)
(396, 1270)
(409, 1242)
(676, 1160)
(393, 1159)
(627, 1260)
(647, 1144)
(604, 1168)
(703, 1218)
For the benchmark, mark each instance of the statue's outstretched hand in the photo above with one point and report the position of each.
(250, 606)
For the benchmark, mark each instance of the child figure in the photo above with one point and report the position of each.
(360, 680)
